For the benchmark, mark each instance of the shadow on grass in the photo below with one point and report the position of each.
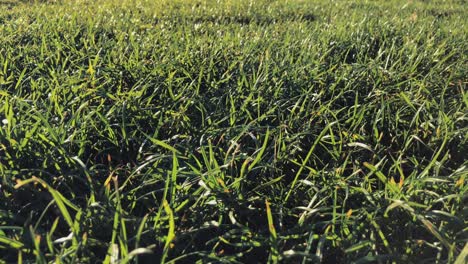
(8, 3)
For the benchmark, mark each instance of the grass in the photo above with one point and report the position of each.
(233, 131)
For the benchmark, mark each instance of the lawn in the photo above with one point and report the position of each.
(233, 131)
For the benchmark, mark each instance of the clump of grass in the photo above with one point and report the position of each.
(233, 131)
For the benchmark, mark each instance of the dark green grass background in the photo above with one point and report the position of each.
(233, 131)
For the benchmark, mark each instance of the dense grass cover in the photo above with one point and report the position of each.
(233, 131)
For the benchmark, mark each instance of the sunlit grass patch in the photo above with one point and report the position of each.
(233, 131)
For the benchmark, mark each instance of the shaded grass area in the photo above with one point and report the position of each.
(233, 131)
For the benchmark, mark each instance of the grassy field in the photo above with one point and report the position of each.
(253, 131)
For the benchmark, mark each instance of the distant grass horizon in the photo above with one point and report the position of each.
(223, 131)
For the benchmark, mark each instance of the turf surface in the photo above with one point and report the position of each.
(233, 131)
